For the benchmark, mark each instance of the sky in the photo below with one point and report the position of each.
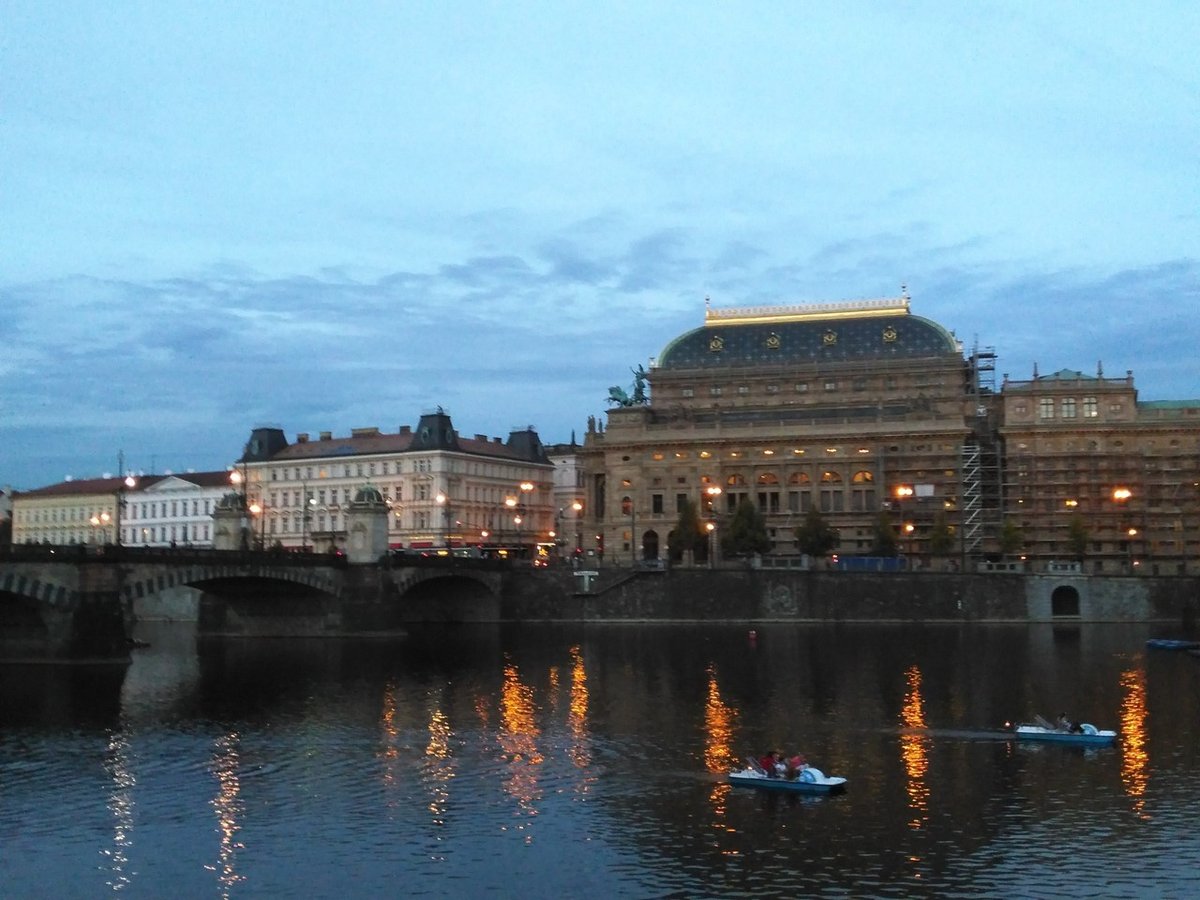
(324, 216)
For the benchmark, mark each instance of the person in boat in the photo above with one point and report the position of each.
(772, 763)
(796, 765)
(1065, 724)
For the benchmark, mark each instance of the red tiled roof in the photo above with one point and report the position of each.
(365, 445)
(84, 486)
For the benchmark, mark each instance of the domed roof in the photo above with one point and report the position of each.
(832, 332)
(368, 493)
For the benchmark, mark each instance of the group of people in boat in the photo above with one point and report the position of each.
(1065, 724)
(791, 768)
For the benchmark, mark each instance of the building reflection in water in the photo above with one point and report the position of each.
(577, 718)
(914, 749)
(1135, 759)
(120, 804)
(518, 740)
(228, 806)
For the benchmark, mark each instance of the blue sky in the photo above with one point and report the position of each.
(333, 215)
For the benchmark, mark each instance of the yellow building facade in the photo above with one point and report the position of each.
(880, 418)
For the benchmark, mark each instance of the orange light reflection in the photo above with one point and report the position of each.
(1135, 759)
(518, 734)
(914, 749)
(577, 717)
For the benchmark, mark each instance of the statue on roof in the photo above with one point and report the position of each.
(639, 387)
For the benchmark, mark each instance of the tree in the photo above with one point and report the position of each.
(1077, 537)
(885, 542)
(941, 536)
(746, 532)
(687, 536)
(815, 536)
(1011, 538)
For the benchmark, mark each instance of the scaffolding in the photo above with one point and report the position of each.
(982, 497)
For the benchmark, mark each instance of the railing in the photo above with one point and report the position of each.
(113, 553)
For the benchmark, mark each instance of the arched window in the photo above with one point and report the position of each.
(736, 481)
(799, 478)
(862, 495)
(768, 478)
(831, 478)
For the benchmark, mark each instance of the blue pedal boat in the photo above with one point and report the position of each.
(810, 781)
(1087, 736)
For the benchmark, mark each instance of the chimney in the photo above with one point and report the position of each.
(302, 437)
(406, 429)
(326, 435)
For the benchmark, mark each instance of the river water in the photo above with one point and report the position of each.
(572, 761)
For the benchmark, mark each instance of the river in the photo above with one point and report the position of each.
(587, 761)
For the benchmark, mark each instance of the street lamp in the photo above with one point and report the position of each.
(527, 492)
(256, 510)
(444, 502)
(577, 508)
(101, 521)
(711, 528)
(1120, 495)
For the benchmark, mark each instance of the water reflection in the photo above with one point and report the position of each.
(229, 807)
(439, 766)
(1135, 759)
(120, 804)
(518, 740)
(914, 749)
(719, 722)
(577, 719)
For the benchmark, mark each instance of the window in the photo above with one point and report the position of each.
(656, 504)
(680, 502)
(687, 392)
(1046, 408)
(1090, 409)
(801, 387)
(714, 391)
(772, 389)
(743, 390)
(1067, 408)
(830, 385)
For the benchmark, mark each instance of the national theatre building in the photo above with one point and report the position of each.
(878, 418)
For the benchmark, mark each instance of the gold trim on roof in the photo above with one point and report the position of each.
(852, 309)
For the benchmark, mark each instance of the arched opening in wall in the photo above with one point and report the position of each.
(650, 545)
(1064, 602)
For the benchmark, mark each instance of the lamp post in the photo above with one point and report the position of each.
(577, 508)
(101, 521)
(526, 494)
(256, 510)
(510, 504)
(711, 528)
(444, 503)
(1120, 496)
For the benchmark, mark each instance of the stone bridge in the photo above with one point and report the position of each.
(74, 603)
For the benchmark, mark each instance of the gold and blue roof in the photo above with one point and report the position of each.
(853, 331)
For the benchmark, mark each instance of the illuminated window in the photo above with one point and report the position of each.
(1090, 410)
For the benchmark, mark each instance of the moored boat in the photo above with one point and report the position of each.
(809, 781)
(1168, 644)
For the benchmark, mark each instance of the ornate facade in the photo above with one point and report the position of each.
(878, 418)
(445, 491)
